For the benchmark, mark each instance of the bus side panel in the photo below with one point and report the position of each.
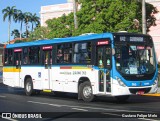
(8, 78)
(11, 76)
(57, 82)
(66, 78)
(36, 75)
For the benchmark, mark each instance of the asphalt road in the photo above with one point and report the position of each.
(67, 108)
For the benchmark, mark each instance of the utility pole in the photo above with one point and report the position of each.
(143, 17)
(74, 11)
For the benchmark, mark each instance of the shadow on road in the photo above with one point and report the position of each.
(73, 97)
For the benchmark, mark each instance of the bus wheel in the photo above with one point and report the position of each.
(122, 98)
(29, 87)
(86, 92)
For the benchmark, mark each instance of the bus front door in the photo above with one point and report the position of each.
(17, 69)
(104, 64)
(47, 62)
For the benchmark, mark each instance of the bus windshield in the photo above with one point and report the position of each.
(135, 59)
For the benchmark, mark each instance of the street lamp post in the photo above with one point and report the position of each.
(143, 17)
(74, 11)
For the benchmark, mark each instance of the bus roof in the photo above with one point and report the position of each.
(83, 37)
(61, 40)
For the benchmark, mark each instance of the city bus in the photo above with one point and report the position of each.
(90, 65)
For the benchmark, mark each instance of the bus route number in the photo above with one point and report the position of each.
(79, 72)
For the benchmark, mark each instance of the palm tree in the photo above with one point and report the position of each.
(34, 20)
(15, 33)
(10, 13)
(27, 18)
(20, 17)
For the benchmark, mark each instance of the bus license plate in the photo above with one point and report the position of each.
(141, 92)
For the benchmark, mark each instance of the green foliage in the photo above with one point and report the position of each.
(39, 33)
(61, 27)
(97, 16)
(9, 12)
(15, 33)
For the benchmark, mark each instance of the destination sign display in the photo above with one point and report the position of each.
(18, 50)
(47, 47)
(103, 42)
(131, 39)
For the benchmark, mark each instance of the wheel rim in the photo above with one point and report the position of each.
(87, 91)
(28, 87)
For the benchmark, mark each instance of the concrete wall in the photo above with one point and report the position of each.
(54, 11)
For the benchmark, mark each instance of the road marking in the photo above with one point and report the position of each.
(2, 96)
(56, 105)
(112, 114)
(79, 109)
(93, 108)
(147, 119)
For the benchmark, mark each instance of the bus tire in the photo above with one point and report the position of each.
(29, 87)
(122, 98)
(86, 92)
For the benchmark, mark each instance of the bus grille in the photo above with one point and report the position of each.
(135, 90)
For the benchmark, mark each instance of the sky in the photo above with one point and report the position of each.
(32, 6)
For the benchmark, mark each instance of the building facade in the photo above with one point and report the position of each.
(54, 11)
(155, 30)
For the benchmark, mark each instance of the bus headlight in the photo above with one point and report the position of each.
(156, 81)
(121, 83)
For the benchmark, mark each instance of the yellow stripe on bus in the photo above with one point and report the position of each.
(79, 67)
(11, 69)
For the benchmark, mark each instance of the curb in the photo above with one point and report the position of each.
(156, 94)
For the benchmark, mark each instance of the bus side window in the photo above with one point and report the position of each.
(59, 56)
(25, 61)
(25, 56)
(82, 53)
(34, 55)
(8, 57)
(64, 53)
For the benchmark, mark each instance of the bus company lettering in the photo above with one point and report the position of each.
(73, 73)
(66, 73)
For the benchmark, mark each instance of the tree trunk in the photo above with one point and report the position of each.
(9, 24)
(21, 32)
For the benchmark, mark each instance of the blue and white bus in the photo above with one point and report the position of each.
(107, 64)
